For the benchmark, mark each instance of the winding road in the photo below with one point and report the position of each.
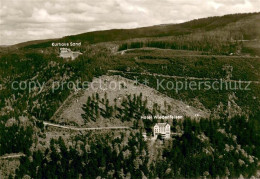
(11, 156)
(84, 129)
(180, 77)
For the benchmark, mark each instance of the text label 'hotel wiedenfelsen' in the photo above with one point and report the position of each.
(66, 44)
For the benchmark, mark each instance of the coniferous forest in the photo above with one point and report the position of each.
(216, 147)
(52, 128)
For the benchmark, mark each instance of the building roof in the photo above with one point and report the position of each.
(64, 50)
(67, 53)
(161, 124)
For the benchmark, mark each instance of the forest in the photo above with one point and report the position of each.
(213, 43)
(221, 145)
(247, 26)
(217, 148)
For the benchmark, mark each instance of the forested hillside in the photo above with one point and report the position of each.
(217, 148)
(223, 144)
(238, 26)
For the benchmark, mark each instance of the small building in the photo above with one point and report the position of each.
(162, 128)
(144, 135)
(67, 53)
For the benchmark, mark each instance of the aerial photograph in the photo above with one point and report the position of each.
(129, 89)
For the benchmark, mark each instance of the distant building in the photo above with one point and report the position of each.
(67, 53)
(144, 135)
(162, 128)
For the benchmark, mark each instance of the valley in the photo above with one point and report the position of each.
(94, 125)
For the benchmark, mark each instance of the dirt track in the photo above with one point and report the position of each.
(15, 155)
(180, 77)
(86, 128)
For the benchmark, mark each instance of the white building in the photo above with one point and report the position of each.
(162, 128)
(67, 53)
(144, 135)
